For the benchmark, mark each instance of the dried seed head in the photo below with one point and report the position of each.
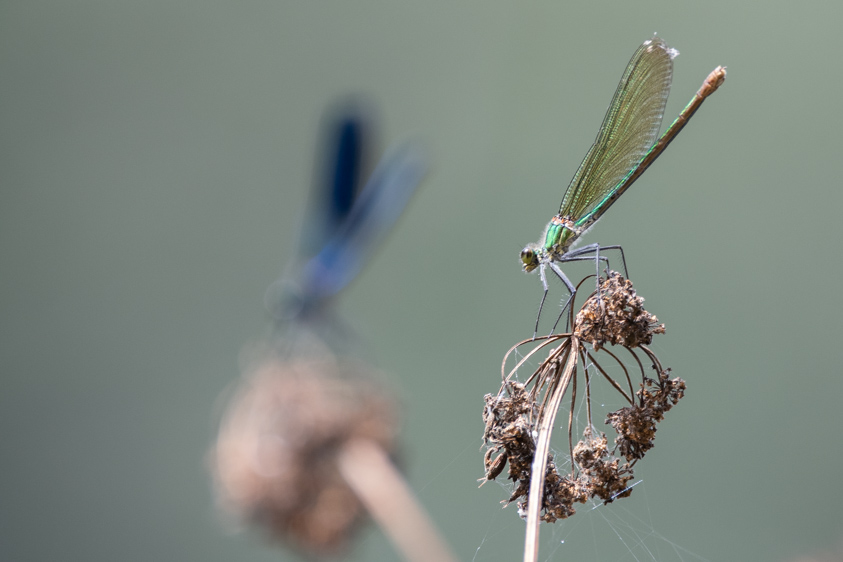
(513, 417)
(509, 433)
(274, 461)
(606, 479)
(560, 495)
(616, 315)
(636, 424)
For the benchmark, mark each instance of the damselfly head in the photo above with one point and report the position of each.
(529, 258)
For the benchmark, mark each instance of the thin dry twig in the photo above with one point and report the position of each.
(376, 481)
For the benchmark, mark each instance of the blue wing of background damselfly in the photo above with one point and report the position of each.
(374, 212)
(345, 222)
(340, 165)
(630, 128)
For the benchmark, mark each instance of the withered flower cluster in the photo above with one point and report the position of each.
(513, 416)
(636, 424)
(606, 480)
(510, 438)
(616, 316)
(275, 458)
(509, 434)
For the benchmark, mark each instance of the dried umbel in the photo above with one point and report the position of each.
(636, 424)
(520, 416)
(606, 479)
(509, 431)
(275, 462)
(616, 315)
(509, 435)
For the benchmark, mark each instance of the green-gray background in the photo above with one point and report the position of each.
(154, 160)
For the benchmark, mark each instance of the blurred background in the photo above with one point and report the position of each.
(154, 161)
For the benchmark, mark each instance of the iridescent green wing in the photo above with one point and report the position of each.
(630, 128)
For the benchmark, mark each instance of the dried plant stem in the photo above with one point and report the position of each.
(534, 502)
(611, 381)
(385, 493)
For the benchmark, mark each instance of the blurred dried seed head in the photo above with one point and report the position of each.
(274, 461)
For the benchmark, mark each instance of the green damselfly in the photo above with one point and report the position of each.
(625, 147)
